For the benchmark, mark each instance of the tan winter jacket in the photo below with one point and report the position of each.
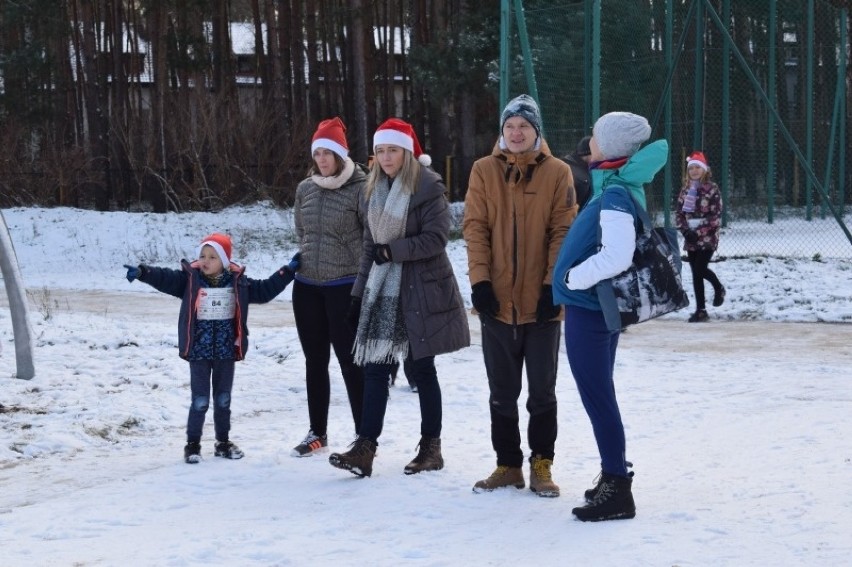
(517, 211)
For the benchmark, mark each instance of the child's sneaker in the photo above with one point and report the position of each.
(228, 450)
(192, 452)
(312, 443)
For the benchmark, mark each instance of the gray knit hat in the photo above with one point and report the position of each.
(525, 107)
(620, 134)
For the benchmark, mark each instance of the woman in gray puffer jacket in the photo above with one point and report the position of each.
(329, 226)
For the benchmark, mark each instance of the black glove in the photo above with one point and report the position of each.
(690, 236)
(483, 299)
(546, 310)
(380, 254)
(133, 272)
(354, 313)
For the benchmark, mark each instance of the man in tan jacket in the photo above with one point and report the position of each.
(520, 202)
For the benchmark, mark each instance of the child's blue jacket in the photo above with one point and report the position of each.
(186, 282)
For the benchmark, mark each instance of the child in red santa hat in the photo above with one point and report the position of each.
(699, 220)
(212, 332)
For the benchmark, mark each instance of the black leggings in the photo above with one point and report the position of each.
(699, 262)
(320, 313)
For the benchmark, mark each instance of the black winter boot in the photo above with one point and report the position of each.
(613, 501)
(358, 459)
(428, 457)
(590, 493)
(192, 452)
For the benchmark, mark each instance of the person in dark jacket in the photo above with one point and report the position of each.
(329, 226)
(406, 303)
(579, 161)
(212, 331)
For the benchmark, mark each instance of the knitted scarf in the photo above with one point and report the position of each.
(335, 181)
(382, 336)
(691, 197)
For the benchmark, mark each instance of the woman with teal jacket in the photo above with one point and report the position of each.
(600, 245)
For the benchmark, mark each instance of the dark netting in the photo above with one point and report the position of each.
(764, 186)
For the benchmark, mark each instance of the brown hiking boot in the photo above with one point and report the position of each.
(502, 476)
(540, 480)
(428, 457)
(358, 459)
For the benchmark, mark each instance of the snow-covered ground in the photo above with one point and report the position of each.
(738, 428)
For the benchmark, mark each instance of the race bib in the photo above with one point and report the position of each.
(216, 303)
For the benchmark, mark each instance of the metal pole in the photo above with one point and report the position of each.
(588, 115)
(770, 126)
(667, 187)
(532, 88)
(504, 54)
(596, 59)
(17, 304)
(698, 88)
(725, 173)
(841, 74)
(809, 109)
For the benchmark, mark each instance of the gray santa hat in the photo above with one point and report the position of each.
(620, 134)
(525, 107)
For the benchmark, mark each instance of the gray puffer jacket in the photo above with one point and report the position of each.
(329, 226)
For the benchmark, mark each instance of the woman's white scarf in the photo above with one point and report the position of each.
(335, 181)
(382, 337)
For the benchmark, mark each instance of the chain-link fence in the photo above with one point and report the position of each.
(703, 74)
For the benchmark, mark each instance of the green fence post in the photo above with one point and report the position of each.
(532, 88)
(596, 59)
(770, 134)
(504, 53)
(841, 79)
(698, 87)
(725, 173)
(667, 187)
(809, 110)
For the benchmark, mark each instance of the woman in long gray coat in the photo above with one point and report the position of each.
(406, 302)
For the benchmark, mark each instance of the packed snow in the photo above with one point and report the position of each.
(738, 428)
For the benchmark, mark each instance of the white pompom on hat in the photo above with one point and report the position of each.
(400, 133)
(221, 243)
(331, 135)
(697, 158)
(620, 134)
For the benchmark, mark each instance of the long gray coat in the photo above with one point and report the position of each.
(431, 302)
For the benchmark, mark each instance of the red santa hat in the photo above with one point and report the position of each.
(400, 133)
(331, 135)
(697, 158)
(221, 243)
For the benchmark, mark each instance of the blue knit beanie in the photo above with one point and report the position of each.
(525, 107)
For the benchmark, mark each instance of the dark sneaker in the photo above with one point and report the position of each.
(192, 452)
(428, 457)
(719, 296)
(310, 445)
(541, 481)
(228, 450)
(501, 477)
(699, 316)
(590, 493)
(358, 459)
(613, 501)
